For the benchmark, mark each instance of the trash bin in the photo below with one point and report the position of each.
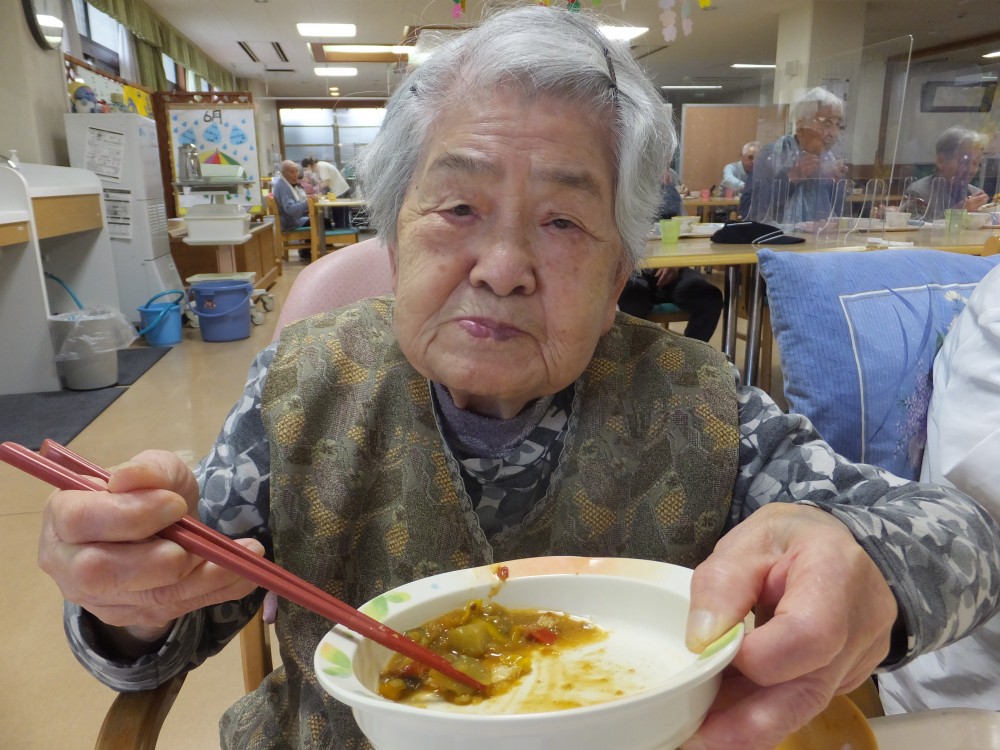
(87, 343)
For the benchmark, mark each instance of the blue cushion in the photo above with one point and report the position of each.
(857, 334)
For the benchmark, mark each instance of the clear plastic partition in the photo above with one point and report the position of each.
(947, 145)
(830, 174)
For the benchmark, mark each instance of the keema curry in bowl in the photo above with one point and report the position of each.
(576, 653)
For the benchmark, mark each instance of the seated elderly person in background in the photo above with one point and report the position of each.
(687, 288)
(498, 407)
(957, 155)
(799, 179)
(963, 450)
(735, 174)
(290, 198)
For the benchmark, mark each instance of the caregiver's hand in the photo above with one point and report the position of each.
(823, 615)
(100, 549)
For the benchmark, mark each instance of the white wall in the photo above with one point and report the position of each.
(265, 123)
(34, 93)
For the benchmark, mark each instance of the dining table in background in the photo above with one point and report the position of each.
(740, 264)
(706, 206)
(350, 204)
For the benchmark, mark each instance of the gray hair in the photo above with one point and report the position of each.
(542, 50)
(752, 145)
(811, 102)
(955, 138)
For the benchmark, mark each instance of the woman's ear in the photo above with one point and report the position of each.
(609, 319)
(393, 265)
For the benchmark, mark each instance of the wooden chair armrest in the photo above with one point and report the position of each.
(134, 720)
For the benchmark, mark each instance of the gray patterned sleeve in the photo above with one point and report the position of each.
(235, 485)
(939, 551)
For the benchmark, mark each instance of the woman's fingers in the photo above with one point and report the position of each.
(102, 550)
(151, 584)
(804, 575)
(758, 718)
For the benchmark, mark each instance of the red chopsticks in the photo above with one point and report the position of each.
(62, 468)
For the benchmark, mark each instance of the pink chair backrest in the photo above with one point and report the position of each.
(352, 273)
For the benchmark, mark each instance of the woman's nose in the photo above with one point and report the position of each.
(505, 262)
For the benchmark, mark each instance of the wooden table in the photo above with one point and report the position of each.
(707, 205)
(701, 251)
(324, 203)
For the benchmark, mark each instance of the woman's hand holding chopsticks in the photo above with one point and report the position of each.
(100, 549)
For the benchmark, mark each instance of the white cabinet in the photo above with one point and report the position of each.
(51, 220)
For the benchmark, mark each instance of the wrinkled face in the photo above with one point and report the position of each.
(820, 132)
(508, 263)
(747, 159)
(963, 165)
(291, 174)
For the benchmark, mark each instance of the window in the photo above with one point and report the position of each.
(170, 70)
(99, 34)
(308, 132)
(334, 135)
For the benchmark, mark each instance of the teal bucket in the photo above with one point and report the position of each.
(223, 309)
(160, 322)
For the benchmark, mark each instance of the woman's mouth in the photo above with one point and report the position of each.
(482, 328)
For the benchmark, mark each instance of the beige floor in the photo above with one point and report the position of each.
(47, 700)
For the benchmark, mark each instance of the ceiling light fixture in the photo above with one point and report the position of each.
(333, 72)
(327, 29)
(753, 65)
(368, 49)
(992, 54)
(623, 33)
(690, 87)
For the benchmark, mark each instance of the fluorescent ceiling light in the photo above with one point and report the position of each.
(368, 49)
(690, 87)
(992, 54)
(332, 71)
(327, 29)
(623, 33)
(751, 65)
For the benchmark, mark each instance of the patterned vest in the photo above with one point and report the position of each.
(365, 495)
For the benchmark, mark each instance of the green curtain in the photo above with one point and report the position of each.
(152, 31)
(150, 62)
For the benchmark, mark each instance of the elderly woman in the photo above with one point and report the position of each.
(798, 179)
(499, 407)
(957, 155)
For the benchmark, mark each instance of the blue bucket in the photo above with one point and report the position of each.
(160, 322)
(223, 309)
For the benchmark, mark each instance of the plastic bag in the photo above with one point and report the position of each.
(93, 330)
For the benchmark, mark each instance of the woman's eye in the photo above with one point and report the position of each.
(461, 210)
(563, 224)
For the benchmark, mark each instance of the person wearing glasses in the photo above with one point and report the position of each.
(958, 152)
(798, 180)
(497, 406)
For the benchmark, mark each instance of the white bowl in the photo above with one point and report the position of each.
(975, 220)
(896, 218)
(687, 223)
(665, 689)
